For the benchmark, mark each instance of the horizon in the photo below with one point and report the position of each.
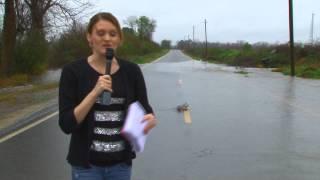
(228, 21)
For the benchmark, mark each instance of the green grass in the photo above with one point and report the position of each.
(306, 67)
(242, 72)
(12, 96)
(150, 57)
(42, 87)
(305, 71)
(193, 56)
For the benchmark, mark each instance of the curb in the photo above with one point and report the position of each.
(48, 109)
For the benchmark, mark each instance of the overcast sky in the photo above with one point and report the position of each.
(228, 20)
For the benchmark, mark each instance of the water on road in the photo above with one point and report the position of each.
(262, 125)
(256, 126)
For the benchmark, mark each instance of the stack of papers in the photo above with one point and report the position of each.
(133, 127)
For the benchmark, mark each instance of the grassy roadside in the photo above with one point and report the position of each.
(12, 96)
(150, 57)
(305, 71)
(21, 101)
(23, 79)
(307, 65)
(15, 80)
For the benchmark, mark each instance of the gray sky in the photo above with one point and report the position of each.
(228, 20)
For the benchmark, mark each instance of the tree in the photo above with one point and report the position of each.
(37, 17)
(9, 37)
(127, 30)
(132, 22)
(146, 27)
(72, 44)
(53, 12)
(23, 18)
(31, 20)
(166, 44)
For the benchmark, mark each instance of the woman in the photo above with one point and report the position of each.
(97, 150)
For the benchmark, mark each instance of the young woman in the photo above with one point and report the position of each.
(97, 150)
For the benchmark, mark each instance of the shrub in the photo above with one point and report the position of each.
(69, 46)
(31, 54)
(133, 47)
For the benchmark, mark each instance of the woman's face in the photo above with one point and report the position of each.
(104, 35)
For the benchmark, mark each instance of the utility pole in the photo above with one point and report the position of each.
(205, 29)
(311, 30)
(291, 38)
(193, 33)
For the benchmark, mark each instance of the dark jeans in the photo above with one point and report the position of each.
(121, 171)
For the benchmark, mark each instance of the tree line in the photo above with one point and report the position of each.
(26, 24)
(30, 44)
(72, 43)
(261, 55)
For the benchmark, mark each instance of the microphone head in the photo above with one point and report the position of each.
(109, 53)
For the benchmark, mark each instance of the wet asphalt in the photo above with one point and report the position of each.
(259, 126)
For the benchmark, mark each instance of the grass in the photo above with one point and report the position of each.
(193, 56)
(15, 80)
(150, 57)
(242, 72)
(23, 79)
(12, 96)
(306, 67)
(42, 87)
(305, 71)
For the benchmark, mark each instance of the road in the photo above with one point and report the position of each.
(262, 125)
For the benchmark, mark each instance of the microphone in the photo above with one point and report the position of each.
(106, 95)
(109, 57)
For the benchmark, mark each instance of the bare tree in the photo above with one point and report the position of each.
(23, 17)
(47, 13)
(9, 35)
(35, 16)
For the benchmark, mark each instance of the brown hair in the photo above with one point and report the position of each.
(107, 17)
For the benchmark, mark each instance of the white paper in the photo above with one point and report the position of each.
(133, 127)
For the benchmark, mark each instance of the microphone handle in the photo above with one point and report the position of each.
(108, 66)
(106, 95)
(106, 98)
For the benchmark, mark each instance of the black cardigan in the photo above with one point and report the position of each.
(75, 86)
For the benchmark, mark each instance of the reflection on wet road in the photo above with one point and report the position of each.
(262, 125)
(259, 126)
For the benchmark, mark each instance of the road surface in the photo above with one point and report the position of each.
(262, 125)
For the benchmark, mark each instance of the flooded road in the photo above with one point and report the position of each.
(256, 126)
(262, 125)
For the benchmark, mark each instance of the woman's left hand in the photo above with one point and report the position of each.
(151, 122)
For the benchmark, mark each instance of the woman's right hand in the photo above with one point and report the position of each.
(103, 83)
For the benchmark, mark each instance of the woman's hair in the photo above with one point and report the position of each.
(107, 17)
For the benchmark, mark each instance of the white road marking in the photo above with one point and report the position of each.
(29, 126)
(187, 117)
